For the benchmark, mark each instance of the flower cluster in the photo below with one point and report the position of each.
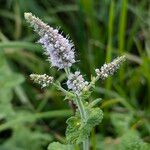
(110, 68)
(44, 80)
(59, 49)
(76, 82)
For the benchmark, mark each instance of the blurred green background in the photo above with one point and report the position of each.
(31, 117)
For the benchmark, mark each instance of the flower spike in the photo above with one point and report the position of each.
(110, 68)
(44, 80)
(60, 50)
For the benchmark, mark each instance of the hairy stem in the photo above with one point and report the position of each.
(67, 70)
(81, 109)
(84, 118)
(86, 144)
(62, 89)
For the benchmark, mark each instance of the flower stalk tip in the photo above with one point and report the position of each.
(44, 80)
(110, 68)
(27, 16)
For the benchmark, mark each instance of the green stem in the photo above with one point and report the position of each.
(81, 108)
(92, 83)
(67, 70)
(86, 144)
(84, 118)
(63, 90)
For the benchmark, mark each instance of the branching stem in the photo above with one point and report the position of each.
(62, 89)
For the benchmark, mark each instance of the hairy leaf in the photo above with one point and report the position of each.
(77, 130)
(59, 146)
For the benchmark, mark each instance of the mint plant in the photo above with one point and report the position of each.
(61, 54)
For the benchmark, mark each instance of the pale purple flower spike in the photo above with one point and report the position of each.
(59, 49)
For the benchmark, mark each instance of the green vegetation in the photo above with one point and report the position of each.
(31, 117)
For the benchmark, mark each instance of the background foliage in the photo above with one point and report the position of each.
(30, 117)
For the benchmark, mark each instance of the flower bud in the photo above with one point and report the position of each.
(44, 80)
(110, 68)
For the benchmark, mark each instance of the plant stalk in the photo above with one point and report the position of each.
(86, 144)
(92, 83)
(84, 118)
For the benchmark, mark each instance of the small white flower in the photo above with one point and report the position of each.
(110, 68)
(76, 82)
(44, 80)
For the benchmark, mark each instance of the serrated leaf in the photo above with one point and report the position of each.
(59, 146)
(77, 130)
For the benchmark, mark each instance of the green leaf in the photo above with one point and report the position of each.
(85, 95)
(7, 111)
(131, 141)
(20, 44)
(12, 80)
(121, 122)
(8, 79)
(6, 96)
(77, 130)
(69, 96)
(25, 139)
(59, 146)
(95, 102)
